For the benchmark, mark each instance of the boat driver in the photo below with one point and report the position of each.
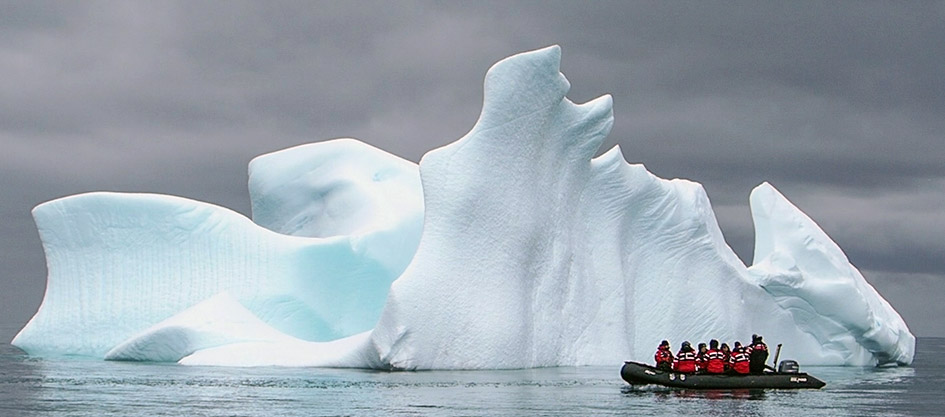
(758, 354)
(664, 357)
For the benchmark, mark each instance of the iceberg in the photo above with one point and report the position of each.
(120, 263)
(512, 247)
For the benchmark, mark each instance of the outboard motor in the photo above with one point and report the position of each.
(788, 367)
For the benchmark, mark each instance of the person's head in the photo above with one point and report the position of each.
(702, 347)
(756, 339)
(738, 345)
(664, 344)
(686, 346)
(725, 347)
(713, 344)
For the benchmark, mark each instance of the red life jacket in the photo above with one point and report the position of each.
(685, 361)
(715, 361)
(740, 361)
(663, 355)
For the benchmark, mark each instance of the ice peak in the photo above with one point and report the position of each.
(808, 274)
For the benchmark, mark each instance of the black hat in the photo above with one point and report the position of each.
(664, 343)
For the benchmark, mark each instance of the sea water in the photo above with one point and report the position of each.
(76, 387)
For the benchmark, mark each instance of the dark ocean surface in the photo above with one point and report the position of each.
(42, 387)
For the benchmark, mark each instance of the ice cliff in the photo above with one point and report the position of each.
(512, 247)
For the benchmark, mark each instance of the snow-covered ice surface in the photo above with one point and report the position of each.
(531, 253)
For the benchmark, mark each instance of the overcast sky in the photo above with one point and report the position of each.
(840, 105)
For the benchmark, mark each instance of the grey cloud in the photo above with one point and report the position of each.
(913, 295)
(895, 230)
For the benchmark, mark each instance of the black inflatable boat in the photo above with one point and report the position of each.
(789, 378)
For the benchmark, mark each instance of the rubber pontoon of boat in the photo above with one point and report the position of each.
(787, 377)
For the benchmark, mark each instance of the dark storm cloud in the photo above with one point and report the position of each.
(791, 107)
(872, 54)
(808, 82)
(837, 104)
(304, 71)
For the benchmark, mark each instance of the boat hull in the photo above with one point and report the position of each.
(641, 374)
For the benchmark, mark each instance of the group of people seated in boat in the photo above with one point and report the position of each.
(714, 359)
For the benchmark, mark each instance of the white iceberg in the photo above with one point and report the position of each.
(531, 253)
(120, 263)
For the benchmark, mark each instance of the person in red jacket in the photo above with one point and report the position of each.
(685, 359)
(664, 357)
(700, 358)
(715, 358)
(727, 356)
(740, 359)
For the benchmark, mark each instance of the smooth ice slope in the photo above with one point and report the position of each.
(220, 320)
(120, 263)
(336, 188)
(532, 253)
(220, 331)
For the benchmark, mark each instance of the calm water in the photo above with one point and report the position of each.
(30, 386)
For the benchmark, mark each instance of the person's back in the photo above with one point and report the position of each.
(740, 359)
(726, 356)
(715, 358)
(701, 358)
(685, 359)
(664, 356)
(758, 355)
